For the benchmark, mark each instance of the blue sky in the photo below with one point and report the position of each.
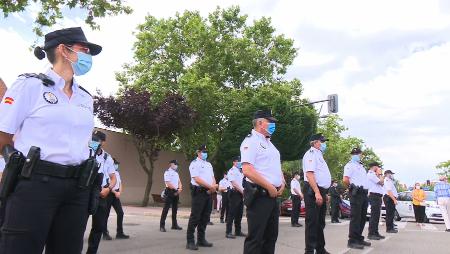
(387, 60)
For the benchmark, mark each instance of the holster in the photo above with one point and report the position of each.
(14, 164)
(250, 193)
(89, 173)
(94, 195)
(197, 189)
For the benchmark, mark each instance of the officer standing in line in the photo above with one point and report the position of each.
(355, 176)
(224, 187)
(236, 202)
(117, 205)
(52, 112)
(296, 197)
(376, 182)
(203, 184)
(264, 183)
(390, 200)
(317, 181)
(335, 201)
(99, 219)
(172, 191)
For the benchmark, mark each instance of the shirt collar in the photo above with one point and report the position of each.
(59, 81)
(259, 135)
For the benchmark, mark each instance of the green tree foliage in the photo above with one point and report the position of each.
(51, 10)
(445, 169)
(226, 68)
(339, 147)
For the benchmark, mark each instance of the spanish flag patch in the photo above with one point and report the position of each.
(8, 100)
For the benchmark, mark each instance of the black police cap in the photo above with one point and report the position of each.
(389, 172)
(374, 164)
(68, 36)
(355, 151)
(99, 136)
(202, 148)
(174, 162)
(264, 114)
(318, 136)
(237, 158)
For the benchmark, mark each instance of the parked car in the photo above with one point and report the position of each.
(286, 208)
(344, 209)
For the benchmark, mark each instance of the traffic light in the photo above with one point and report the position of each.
(332, 103)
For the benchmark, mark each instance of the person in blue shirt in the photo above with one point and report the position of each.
(442, 191)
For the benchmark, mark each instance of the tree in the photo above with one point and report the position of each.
(152, 126)
(445, 169)
(50, 10)
(216, 63)
(338, 150)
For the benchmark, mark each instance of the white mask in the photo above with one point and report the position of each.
(418, 187)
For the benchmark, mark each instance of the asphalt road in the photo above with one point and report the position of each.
(143, 227)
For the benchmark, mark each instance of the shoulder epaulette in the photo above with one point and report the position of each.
(46, 80)
(249, 135)
(86, 91)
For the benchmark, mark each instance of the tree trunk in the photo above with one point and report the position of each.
(148, 187)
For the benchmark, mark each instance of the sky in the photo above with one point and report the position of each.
(387, 60)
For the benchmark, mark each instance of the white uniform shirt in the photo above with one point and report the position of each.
(203, 170)
(357, 174)
(118, 181)
(313, 162)
(172, 177)
(374, 187)
(2, 164)
(106, 166)
(224, 184)
(389, 186)
(295, 184)
(235, 175)
(257, 150)
(45, 117)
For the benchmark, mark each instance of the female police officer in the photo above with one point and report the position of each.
(52, 112)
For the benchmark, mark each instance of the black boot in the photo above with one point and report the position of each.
(191, 246)
(204, 243)
(121, 235)
(106, 236)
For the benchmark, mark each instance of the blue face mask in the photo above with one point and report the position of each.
(323, 147)
(83, 64)
(94, 145)
(356, 158)
(239, 165)
(204, 156)
(271, 128)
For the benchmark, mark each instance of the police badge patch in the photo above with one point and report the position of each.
(50, 98)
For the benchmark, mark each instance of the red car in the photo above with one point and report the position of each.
(286, 208)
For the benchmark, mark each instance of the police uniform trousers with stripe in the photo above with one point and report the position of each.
(200, 214)
(45, 211)
(262, 219)
(235, 210)
(171, 200)
(314, 220)
(99, 222)
(117, 205)
(358, 215)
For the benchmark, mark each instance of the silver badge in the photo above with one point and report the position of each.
(50, 98)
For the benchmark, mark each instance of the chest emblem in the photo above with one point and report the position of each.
(50, 98)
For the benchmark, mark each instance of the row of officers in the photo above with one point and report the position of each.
(53, 180)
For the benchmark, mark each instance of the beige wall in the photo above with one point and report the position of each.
(121, 147)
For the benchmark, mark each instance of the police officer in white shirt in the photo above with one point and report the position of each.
(203, 184)
(236, 203)
(296, 197)
(390, 200)
(261, 163)
(53, 112)
(99, 219)
(224, 187)
(376, 191)
(355, 176)
(172, 193)
(117, 205)
(317, 181)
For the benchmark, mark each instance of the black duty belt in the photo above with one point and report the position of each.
(376, 194)
(57, 170)
(261, 191)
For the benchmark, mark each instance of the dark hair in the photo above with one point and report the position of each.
(40, 53)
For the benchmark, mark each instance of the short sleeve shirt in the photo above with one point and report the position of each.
(389, 186)
(224, 184)
(313, 161)
(118, 180)
(203, 170)
(357, 174)
(374, 186)
(257, 150)
(106, 166)
(172, 177)
(47, 118)
(235, 175)
(295, 184)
